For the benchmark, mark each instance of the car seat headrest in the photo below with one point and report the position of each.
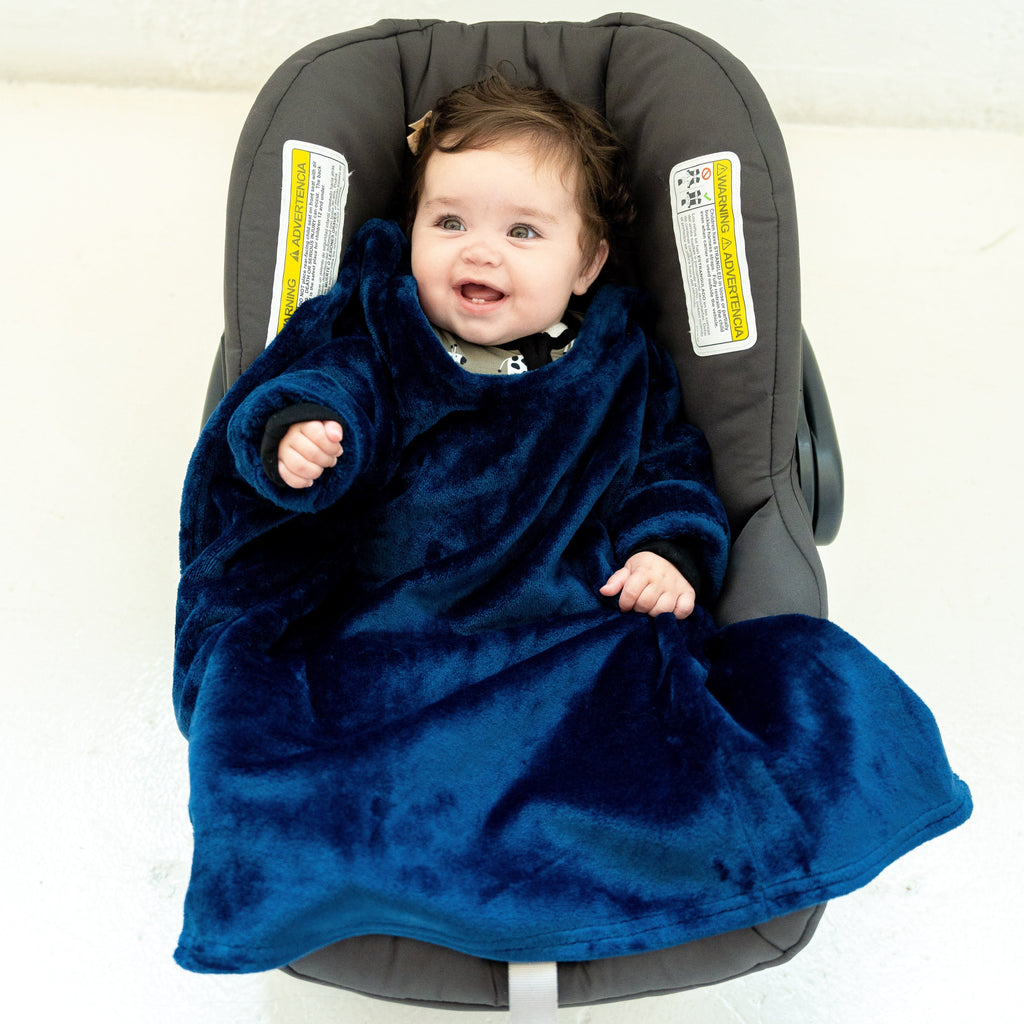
(675, 99)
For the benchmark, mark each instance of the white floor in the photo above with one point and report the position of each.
(913, 247)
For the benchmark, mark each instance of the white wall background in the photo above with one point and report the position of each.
(112, 204)
(915, 63)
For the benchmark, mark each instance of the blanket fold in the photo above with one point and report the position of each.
(410, 711)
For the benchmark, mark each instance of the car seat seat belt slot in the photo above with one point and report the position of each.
(533, 993)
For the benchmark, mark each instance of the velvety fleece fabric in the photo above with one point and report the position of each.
(410, 711)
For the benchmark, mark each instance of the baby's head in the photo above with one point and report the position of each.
(514, 197)
(573, 139)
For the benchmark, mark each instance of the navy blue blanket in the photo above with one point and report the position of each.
(410, 711)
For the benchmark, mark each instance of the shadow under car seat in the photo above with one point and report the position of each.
(675, 98)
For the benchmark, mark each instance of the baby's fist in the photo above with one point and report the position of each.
(307, 449)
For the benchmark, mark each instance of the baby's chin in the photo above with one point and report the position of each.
(482, 334)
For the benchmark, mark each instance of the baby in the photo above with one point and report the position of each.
(413, 705)
(512, 196)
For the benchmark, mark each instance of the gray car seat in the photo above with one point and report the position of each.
(323, 150)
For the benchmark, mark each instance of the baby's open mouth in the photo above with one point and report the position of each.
(480, 293)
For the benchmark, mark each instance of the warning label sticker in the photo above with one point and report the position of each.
(708, 225)
(314, 187)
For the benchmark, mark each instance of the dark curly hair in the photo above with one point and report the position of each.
(495, 110)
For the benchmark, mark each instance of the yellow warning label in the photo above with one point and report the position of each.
(289, 281)
(314, 188)
(732, 278)
(708, 225)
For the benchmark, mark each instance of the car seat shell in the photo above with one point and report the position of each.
(671, 94)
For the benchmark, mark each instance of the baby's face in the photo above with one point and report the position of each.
(496, 244)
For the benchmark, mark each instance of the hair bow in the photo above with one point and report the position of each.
(418, 127)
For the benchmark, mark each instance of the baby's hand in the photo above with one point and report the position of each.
(306, 450)
(652, 585)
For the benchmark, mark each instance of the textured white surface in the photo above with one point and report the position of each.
(913, 247)
(923, 63)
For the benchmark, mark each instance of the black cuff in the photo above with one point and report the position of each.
(277, 426)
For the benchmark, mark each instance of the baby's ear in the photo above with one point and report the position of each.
(589, 273)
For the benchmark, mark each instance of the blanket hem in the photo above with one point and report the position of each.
(747, 911)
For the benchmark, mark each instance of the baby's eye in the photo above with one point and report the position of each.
(522, 231)
(450, 224)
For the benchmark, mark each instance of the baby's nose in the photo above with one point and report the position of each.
(481, 251)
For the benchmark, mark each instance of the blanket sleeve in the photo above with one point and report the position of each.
(671, 496)
(234, 517)
(344, 374)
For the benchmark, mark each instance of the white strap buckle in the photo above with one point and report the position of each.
(533, 993)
